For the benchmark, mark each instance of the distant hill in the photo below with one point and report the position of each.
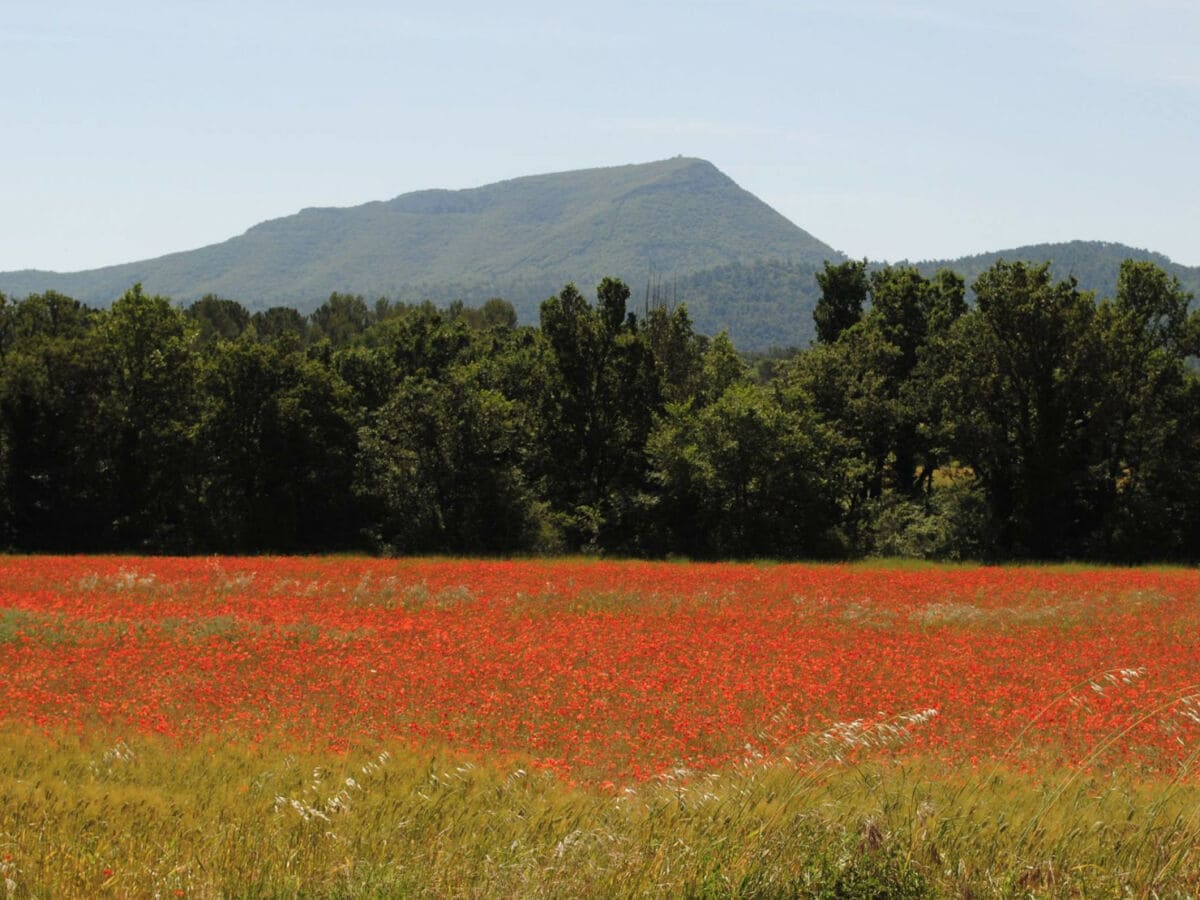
(1094, 264)
(769, 303)
(521, 239)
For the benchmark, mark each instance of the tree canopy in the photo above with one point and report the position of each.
(1036, 422)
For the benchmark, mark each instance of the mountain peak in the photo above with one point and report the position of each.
(679, 225)
(522, 238)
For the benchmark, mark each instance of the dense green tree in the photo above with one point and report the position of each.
(677, 350)
(596, 411)
(720, 369)
(420, 341)
(861, 383)
(847, 386)
(908, 310)
(843, 295)
(7, 335)
(1145, 418)
(744, 476)
(437, 469)
(50, 315)
(516, 364)
(218, 318)
(1065, 427)
(147, 410)
(409, 341)
(58, 489)
(277, 445)
(278, 322)
(496, 312)
(341, 319)
(1015, 379)
(370, 373)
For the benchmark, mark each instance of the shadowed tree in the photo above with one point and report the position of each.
(340, 319)
(1016, 380)
(1146, 419)
(218, 318)
(843, 295)
(147, 413)
(277, 444)
(745, 477)
(596, 411)
(57, 477)
(437, 468)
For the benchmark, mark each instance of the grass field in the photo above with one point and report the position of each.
(215, 727)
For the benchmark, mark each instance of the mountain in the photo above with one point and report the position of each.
(677, 229)
(521, 239)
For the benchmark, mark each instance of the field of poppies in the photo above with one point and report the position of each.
(212, 726)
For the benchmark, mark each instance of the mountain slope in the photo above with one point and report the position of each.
(521, 239)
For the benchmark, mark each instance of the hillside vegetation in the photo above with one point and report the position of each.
(675, 230)
(1094, 264)
(520, 239)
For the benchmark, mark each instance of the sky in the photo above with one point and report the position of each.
(904, 130)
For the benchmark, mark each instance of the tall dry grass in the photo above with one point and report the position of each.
(146, 818)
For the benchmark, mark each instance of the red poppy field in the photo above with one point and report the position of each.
(608, 677)
(604, 671)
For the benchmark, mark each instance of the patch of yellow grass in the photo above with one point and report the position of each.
(144, 817)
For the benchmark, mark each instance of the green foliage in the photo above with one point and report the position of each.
(340, 319)
(276, 440)
(596, 407)
(278, 321)
(843, 294)
(952, 523)
(1145, 417)
(860, 380)
(48, 315)
(1039, 423)
(678, 352)
(148, 351)
(438, 470)
(1039, 391)
(744, 477)
(218, 318)
(57, 489)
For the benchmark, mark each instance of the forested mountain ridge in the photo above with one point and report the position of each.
(520, 239)
(676, 230)
(769, 303)
(1093, 264)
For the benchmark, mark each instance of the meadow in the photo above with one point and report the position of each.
(345, 726)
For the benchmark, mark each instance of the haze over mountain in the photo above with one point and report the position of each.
(679, 228)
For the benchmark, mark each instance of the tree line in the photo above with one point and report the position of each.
(1035, 422)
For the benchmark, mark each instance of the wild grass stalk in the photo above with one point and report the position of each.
(147, 817)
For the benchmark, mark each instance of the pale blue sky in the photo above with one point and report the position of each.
(892, 130)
